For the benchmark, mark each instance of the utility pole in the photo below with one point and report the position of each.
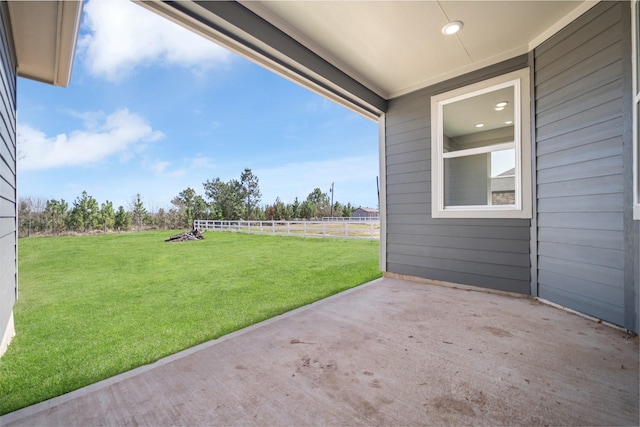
(331, 190)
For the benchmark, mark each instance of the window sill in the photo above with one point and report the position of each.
(512, 213)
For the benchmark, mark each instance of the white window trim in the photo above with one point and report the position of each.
(522, 129)
(479, 150)
(636, 101)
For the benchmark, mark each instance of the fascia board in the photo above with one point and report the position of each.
(69, 19)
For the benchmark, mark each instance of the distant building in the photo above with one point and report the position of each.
(368, 213)
(503, 188)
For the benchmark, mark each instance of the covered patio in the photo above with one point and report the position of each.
(390, 352)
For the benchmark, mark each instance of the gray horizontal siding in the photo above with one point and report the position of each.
(8, 242)
(491, 253)
(590, 203)
(488, 233)
(605, 239)
(582, 187)
(592, 33)
(464, 243)
(579, 91)
(576, 171)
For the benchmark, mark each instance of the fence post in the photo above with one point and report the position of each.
(305, 229)
(288, 228)
(346, 229)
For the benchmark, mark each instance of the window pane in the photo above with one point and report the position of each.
(466, 180)
(480, 180)
(503, 177)
(479, 121)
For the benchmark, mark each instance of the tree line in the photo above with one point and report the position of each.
(232, 200)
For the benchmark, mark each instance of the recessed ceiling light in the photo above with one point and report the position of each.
(501, 104)
(451, 28)
(509, 122)
(479, 125)
(499, 108)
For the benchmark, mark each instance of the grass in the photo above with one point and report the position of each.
(91, 307)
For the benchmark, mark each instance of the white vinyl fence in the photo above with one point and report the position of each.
(344, 229)
(351, 218)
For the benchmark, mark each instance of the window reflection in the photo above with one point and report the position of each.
(462, 120)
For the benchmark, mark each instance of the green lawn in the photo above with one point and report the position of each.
(91, 307)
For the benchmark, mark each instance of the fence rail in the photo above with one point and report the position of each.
(351, 218)
(344, 229)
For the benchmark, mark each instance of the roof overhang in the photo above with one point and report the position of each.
(44, 35)
(364, 53)
(235, 27)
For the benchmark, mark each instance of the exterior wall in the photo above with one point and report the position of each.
(492, 253)
(581, 248)
(8, 236)
(586, 253)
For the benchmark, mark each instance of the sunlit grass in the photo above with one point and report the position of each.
(91, 307)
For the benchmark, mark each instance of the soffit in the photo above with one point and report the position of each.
(396, 47)
(44, 35)
(363, 53)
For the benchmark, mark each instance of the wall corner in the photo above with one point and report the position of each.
(7, 336)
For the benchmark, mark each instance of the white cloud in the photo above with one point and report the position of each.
(163, 168)
(91, 119)
(159, 167)
(102, 137)
(121, 35)
(200, 162)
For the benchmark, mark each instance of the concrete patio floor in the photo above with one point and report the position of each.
(391, 352)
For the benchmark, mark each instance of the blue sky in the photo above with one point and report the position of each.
(154, 109)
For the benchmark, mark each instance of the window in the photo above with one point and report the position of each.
(636, 110)
(481, 150)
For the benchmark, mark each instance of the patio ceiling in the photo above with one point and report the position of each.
(363, 53)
